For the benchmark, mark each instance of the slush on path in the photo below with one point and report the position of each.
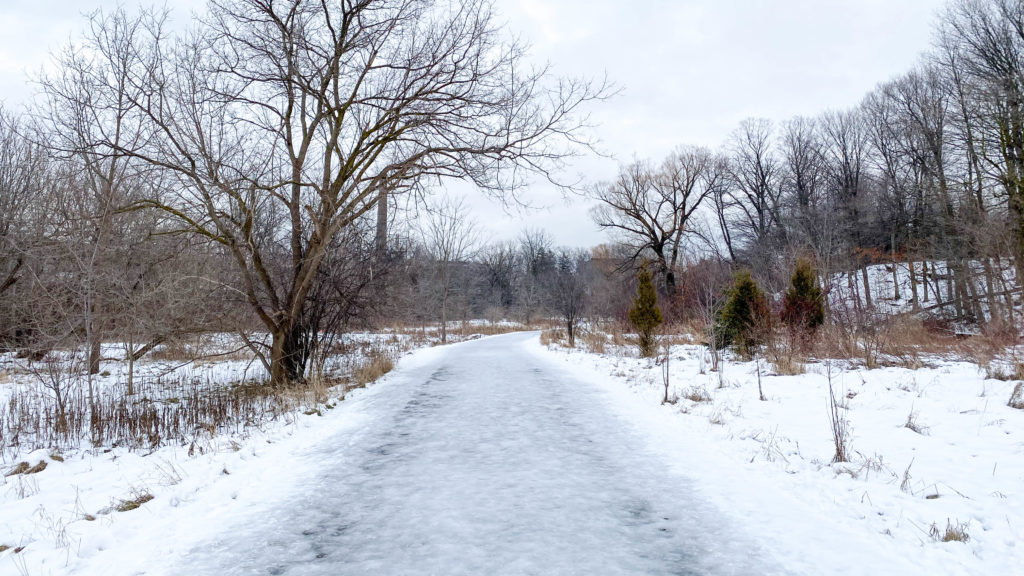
(486, 460)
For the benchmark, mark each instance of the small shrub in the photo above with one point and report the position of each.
(645, 316)
(997, 370)
(1017, 398)
(698, 394)
(914, 425)
(839, 423)
(953, 533)
(905, 483)
(743, 319)
(803, 307)
(787, 365)
(717, 417)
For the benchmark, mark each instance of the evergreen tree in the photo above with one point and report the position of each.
(744, 316)
(645, 316)
(803, 308)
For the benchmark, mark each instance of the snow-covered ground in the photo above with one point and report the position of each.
(885, 512)
(83, 500)
(746, 484)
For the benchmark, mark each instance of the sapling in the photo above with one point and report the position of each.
(645, 316)
(840, 427)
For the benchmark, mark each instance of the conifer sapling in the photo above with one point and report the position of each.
(645, 316)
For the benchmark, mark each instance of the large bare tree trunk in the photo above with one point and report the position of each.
(287, 359)
(895, 279)
(990, 289)
(924, 279)
(95, 356)
(915, 304)
(867, 286)
(1016, 202)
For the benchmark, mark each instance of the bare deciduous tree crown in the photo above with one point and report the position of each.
(281, 123)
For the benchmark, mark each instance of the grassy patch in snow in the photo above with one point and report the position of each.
(184, 393)
(953, 533)
(133, 503)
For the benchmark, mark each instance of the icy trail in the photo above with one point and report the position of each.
(485, 460)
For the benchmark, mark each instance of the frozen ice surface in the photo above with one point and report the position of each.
(486, 460)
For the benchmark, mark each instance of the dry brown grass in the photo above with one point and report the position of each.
(133, 503)
(994, 351)
(997, 369)
(914, 425)
(891, 341)
(618, 337)
(553, 336)
(786, 351)
(788, 366)
(374, 367)
(465, 329)
(19, 468)
(594, 341)
(174, 410)
(697, 394)
(953, 532)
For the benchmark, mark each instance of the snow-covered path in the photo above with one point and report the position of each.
(485, 460)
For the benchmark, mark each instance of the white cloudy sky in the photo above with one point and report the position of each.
(689, 70)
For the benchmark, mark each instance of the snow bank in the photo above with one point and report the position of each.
(61, 520)
(770, 463)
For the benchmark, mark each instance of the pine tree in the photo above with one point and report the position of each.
(645, 316)
(744, 316)
(803, 308)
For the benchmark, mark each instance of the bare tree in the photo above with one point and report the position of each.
(986, 40)
(650, 208)
(26, 178)
(451, 239)
(802, 173)
(504, 271)
(845, 150)
(88, 102)
(754, 194)
(283, 123)
(537, 258)
(23, 171)
(569, 289)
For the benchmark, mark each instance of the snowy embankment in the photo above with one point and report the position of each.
(74, 503)
(892, 291)
(936, 452)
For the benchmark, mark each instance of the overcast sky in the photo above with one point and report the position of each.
(689, 70)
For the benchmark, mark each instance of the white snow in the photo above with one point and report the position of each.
(501, 456)
(769, 463)
(888, 280)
